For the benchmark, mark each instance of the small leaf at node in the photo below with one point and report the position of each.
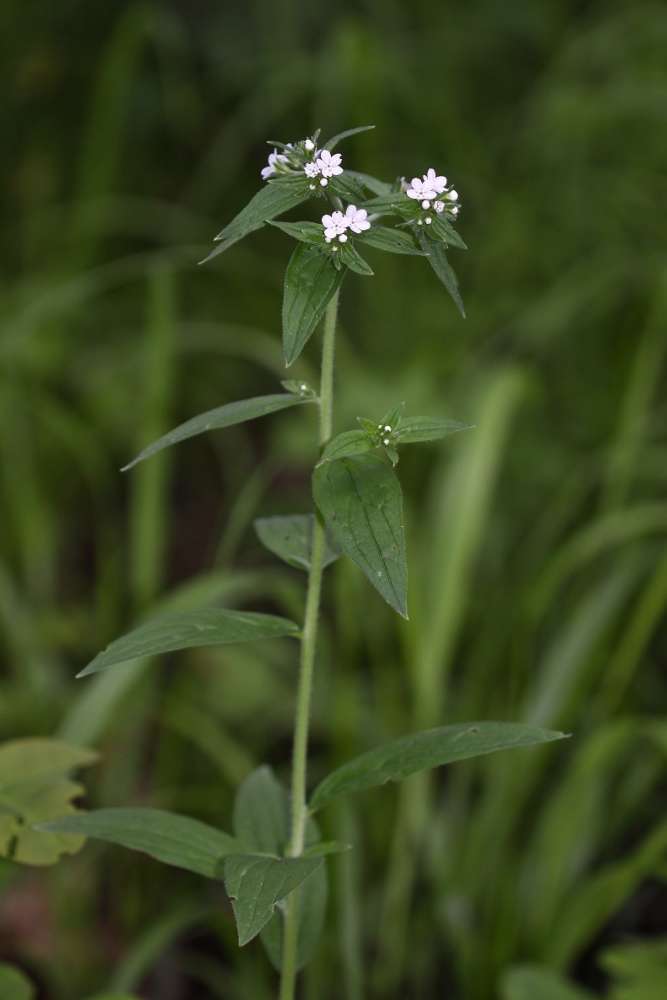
(372, 183)
(360, 499)
(290, 537)
(223, 416)
(332, 143)
(305, 232)
(438, 261)
(299, 388)
(256, 883)
(441, 228)
(393, 240)
(349, 256)
(34, 787)
(347, 443)
(414, 429)
(325, 847)
(346, 187)
(392, 417)
(206, 627)
(420, 751)
(168, 837)
(275, 198)
(311, 281)
(396, 203)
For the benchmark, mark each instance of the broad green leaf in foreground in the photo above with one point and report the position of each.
(360, 500)
(35, 786)
(291, 538)
(438, 261)
(311, 280)
(256, 883)
(175, 840)
(207, 627)
(275, 198)
(411, 430)
(533, 982)
(420, 751)
(223, 416)
(14, 984)
(347, 443)
(393, 240)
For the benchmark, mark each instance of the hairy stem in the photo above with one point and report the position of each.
(306, 666)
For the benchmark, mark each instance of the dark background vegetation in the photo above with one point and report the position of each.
(131, 133)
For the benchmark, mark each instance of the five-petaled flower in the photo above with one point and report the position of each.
(356, 218)
(274, 157)
(329, 164)
(421, 190)
(311, 170)
(335, 226)
(437, 183)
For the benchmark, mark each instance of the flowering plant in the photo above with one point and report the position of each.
(273, 865)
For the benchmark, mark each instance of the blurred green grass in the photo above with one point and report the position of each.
(131, 133)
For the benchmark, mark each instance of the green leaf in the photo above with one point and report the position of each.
(441, 227)
(206, 627)
(349, 256)
(393, 240)
(360, 499)
(396, 203)
(368, 425)
(34, 787)
(346, 187)
(290, 537)
(325, 847)
(372, 183)
(438, 261)
(261, 813)
(391, 453)
(275, 198)
(413, 429)
(311, 281)
(332, 143)
(14, 985)
(347, 443)
(639, 970)
(256, 883)
(306, 232)
(175, 840)
(533, 982)
(420, 751)
(300, 388)
(223, 416)
(392, 416)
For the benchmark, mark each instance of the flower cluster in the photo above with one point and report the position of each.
(428, 190)
(336, 224)
(304, 157)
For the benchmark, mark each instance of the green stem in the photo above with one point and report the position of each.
(306, 667)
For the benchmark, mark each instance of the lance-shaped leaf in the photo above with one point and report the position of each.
(372, 183)
(14, 984)
(346, 187)
(275, 198)
(420, 751)
(173, 839)
(305, 232)
(349, 256)
(35, 786)
(438, 261)
(393, 240)
(223, 416)
(413, 429)
(290, 537)
(206, 627)
(311, 281)
(332, 143)
(396, 203)
(256, 883)
(326, 847)
(347, 443)
(360, 499)
(441, 228)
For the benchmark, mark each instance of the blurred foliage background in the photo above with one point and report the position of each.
(131, 133)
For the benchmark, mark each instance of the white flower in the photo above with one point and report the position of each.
(274, 157)
(328, 164)
(311, 170)
(453, 195)
(455, 210)
(437, 183)
(342, 238)
(356, 218)
(439, 206)
(420, 190)
(334, 225)
(309, 145)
